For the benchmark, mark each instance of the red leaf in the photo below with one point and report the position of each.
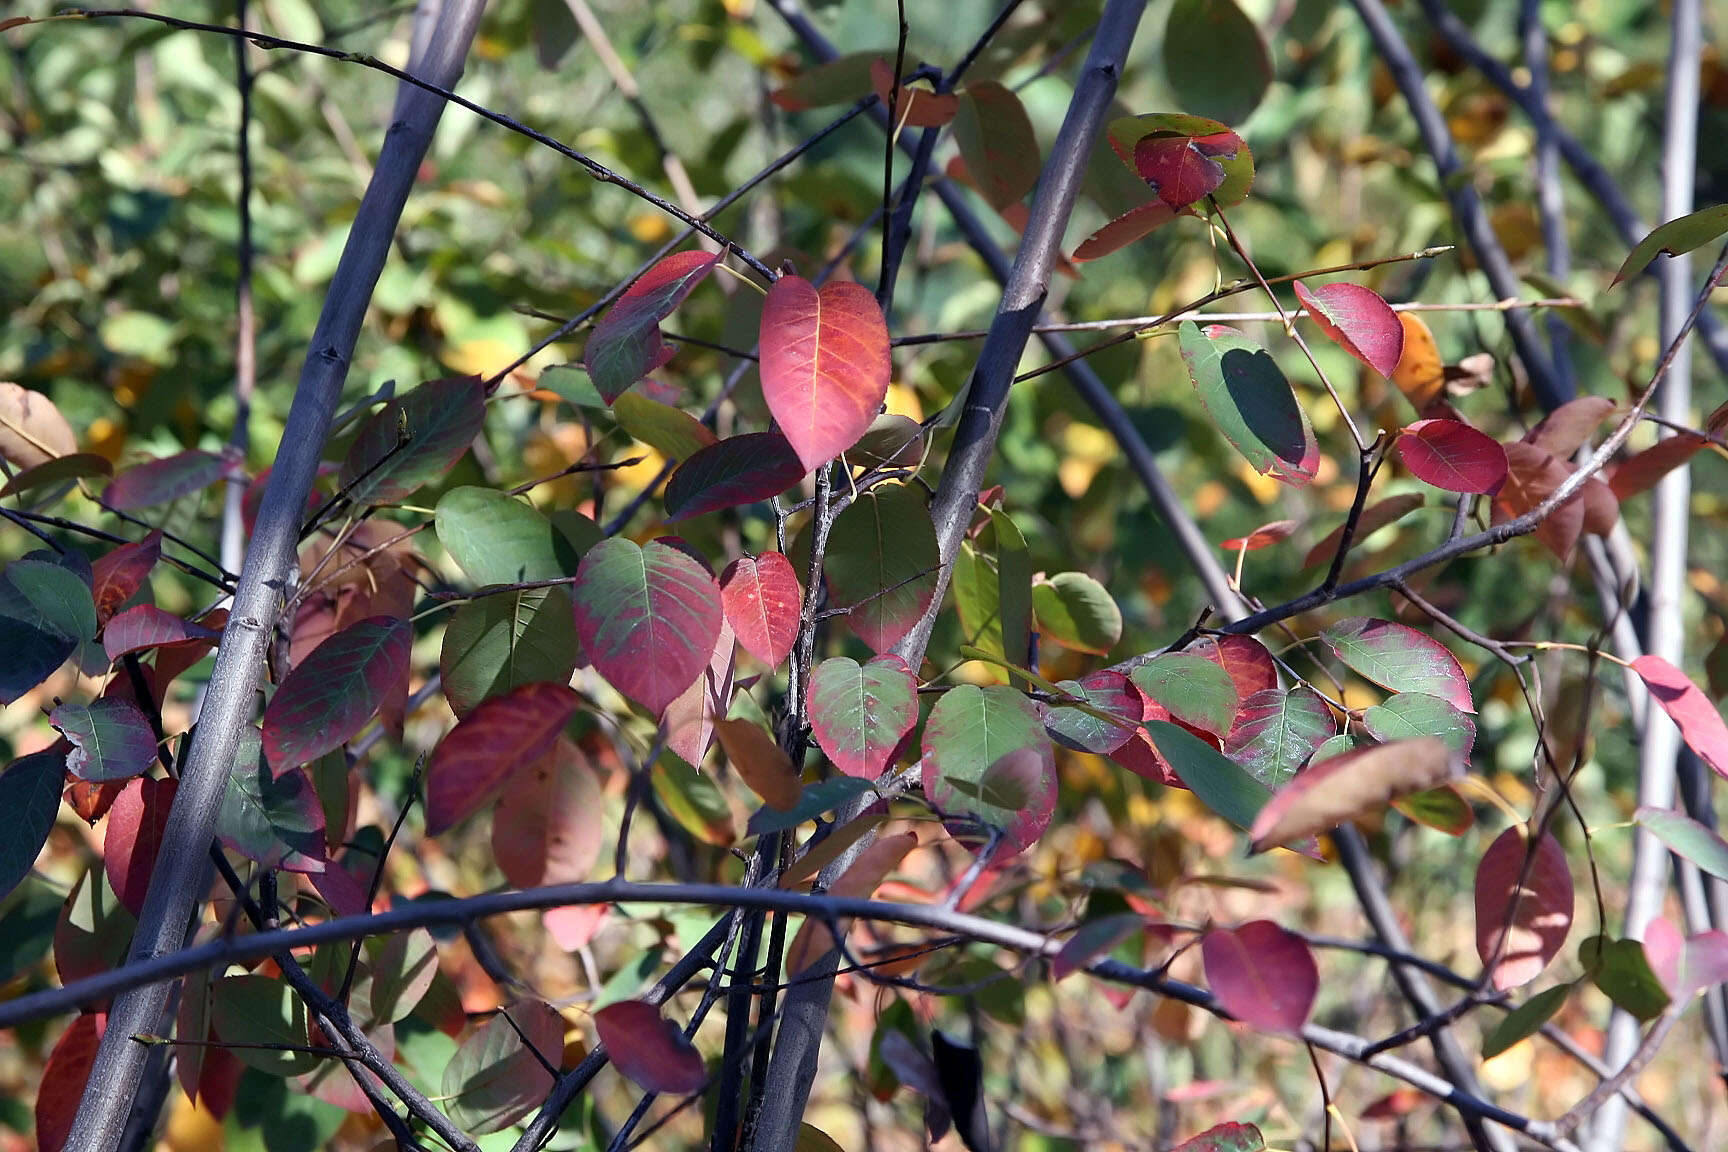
(1531, 475)
(626, 344)
(1398, 657)
(1699, 722)
(738, 470)
(689, 720)
(1249, 664)
(547, 826)
(915, 107)
(764, 603)
(1357, 320)
(159, 481)
(1521, 926)
(1566, 429)
(1261, 974)
(489, 743)
(1183, 169)
(136, 824)
(997, 141)
(118, 575)
(1356, 783)
(650, 1050)
(1685, 965)
(1641, 471)
(330, 695)
(825, 364)
(648, 618)
(145, 626)
(1141, 220)
(64, 1078)
(1262, 537)
(1453, 456)
(860, 713)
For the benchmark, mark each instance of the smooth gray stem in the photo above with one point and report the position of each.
(798, 1042)
(1670, 532)
(176, 887)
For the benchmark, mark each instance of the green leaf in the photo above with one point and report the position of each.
(1220, 783)
(971, 732)
(1250, 401)
(30, 798)
(395, 973)
(881, 563)
(498, 539)
(496, 1077)
(1407, 715)
(1193, 689)
(505, 640)
(695, 801)
(1077, 612)
(111, 738)
(1215, 59)
(1400, 658)
(1687, 838)
(996, 140)
(649, 617)
(50, 597)
(859, 713)
(413, 440)
(1676, 238)
(570, 383)
(1524, 1020)
(673, 432)
(273, 818)
(818, 798)
(1619, 968)
(1441, 809)
(260, 1010)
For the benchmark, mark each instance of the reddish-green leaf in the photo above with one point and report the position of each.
(266, 1021)
(330, 695)
(1675, 238)
(1194, 690)
(970, 731)
(1215, 59)
(30, 797)
(60, 470)
(1441, 809)
(649, 1050)
(118, 575)
(1357, 320)
(1699, 721)
(478, 755)
(1569, 427)
(111, 738)
(1262, 975)
(1077, 612)
(1183, 169)
(738, 470)
(626, 344)
(1641, 471)
(881, 563)
(825, 364)
(1684, 836)
(549, 821)
(1249, 664)
(1249, 400)
(498, 642)
(858, 882)
(913, 107)
(996, 139)
(689, 720)
(64, 1077)
(1408, 715)
(273, 817)
(413, 440)
(764, 604)
(499, 1074)
(1452, 456)
(694, 801)
(145, 626)
(1105, 691)
(1276, 732)
(1139, 221)
(136, 825)
(159, 481)
(1357, 783)
(1126, 133)
(1521, 920)
(1227, 1137)
(1399, 657)
(860, 713)
(648, 617)
(1374, 517)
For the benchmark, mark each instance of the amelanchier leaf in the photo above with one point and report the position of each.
(1452, 456)
(627, 344)
(498, 539)
(1077, 612)
(764, 603)
(760, 763)
(30, 796)
(145, 626)
(825, 364)
(111, 738)
(1132, 225)
(881, 563)
(996, 139)
(648, 617)
(970, 731)
(1374, 517)
(858, 882)
(1275, 732)
(1221, 784)
(329, 696)
(1262, 974)
(46, 610)
(672, 432)
(502, 641)
(266, 1021)
(1106, 691)
(1191, 688)
(1357, 783)
(860, 713)
(1250, 401)
(271, 816)
(738, 470)
(117, 576)
(1682, 835)
(549, 820)
(1525, 1020)
(1699, 721)
(1675, 238)
(499, 736)
(1357, 320)
(649, 1050)
(59, 470)
(1227, 1137)
(1619, 968)
(1408, 715)
(135, 828)
(500, 1073)
(1421, 373)
(839, 81)
(1125, 134)
(32, 430)
(160, 481)
(413, 440)
(1399, 657)
(65, 1075)
(1262, 537)
(1522, 915)
(1248, 661)
(912, 106)
(1215, 59)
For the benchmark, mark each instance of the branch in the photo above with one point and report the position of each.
(176, 887)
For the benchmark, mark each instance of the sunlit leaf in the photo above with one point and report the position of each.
(859, 713)
(497, 539)
(1077, 612)
(329, 696)
(255, 1012)
(1408, 715)
(273, 817)
(145, 626)
(1132, 225)
(1532, 475)
(1276, 732)
(1699, 721)
(1358, 321)
(969, 731)
(1620, 969)
(1525, 1020)
(1221, 784)
(1569, 427)
(500, 1073)
(32, 430)
(1641, 471)
(764, 603)
(1105, 691)
(825, 364)
(881, 563)
(1262, 537)
(111, 738)
(549, 821)
(693, 800)
(413, 440)
(1192, 689)
(500, 735)
(1400, 658)
(1441, 809)
(648, 617)
(117, 575)
(1452, 456)
(1675, 238)
(1687, 838)
(499, 642)
(650, 1050)
(627, 344)
(1262, 974)
(672, 432)
(760, 763)
(1126, 133)
(1357, 783)
(94, 929)
(1250, 401)
(1522, 915)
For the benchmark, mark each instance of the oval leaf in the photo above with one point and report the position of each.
(912, 107)
(1357, 783)
(764, 603)
(760, 763)
(1220, 783)
(30, 790)
(1525, 1020)
(738, 470)
(1276, 732)
(626, 344)
(116, 577)
(1248, 661)
(1521, 921)
(649, 1050)
(59, 470)
(1215, 59)
(997, 142)
(1104, 691)
(648, 617)
(1194, 690)
(498, 539)
(478, 755)
(159, 481)
(825, 364)
(32, 430)
(1262, 975)
(1357, 320)
(549, 821)
(500, 1073)
(499, 642)
(111, 738)
(137, 824)
(1421, 373)
(860, 713)
(1077, 612)
(330, 695)
(672, 432)
(1699, 722)
(1399, 657)
(1453, 456)
(1126, 133)
(1683, 836)
(1675, 238)
(1249, 400)
(1132, 225)
(970, 731)
(262, 1011)
(881, 563)
(145, 626)
(1408, 715)
(413, 440)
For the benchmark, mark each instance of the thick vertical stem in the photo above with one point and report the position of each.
(177, 884)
